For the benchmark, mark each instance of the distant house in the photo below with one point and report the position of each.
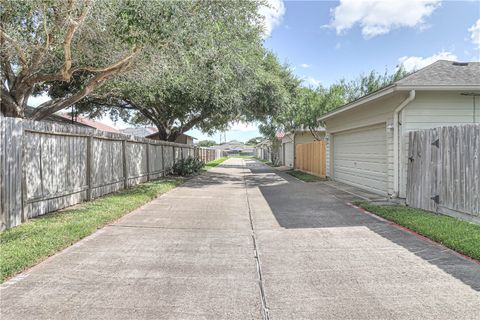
(368, 138)
(182, 138)
(263, 150)
(235, 147)
(293, 138)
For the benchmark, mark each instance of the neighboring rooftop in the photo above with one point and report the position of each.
(444, 73)
(139, 131)
(89, 123)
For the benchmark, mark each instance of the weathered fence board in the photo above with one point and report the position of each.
(311, 158)
(11, 135)
(443, 170)
(45, 166)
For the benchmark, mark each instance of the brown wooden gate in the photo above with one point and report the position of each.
(311, 158)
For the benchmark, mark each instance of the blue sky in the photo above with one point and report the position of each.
(325, 41)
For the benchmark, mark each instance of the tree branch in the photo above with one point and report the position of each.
(73, 25)
(52, 106)
(21, 55)
(119, 65)
(8, 71)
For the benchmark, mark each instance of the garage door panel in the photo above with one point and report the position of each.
(363, 174)
(372, 167)
(360, 158)
(366, 183)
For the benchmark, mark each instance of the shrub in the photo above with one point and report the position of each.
(188, 166)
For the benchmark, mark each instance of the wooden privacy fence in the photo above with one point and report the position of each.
(45, 166)
(444, 170)
(311, 158)
(208, 154)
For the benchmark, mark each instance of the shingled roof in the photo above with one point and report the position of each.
(440, 75)
(444, 73)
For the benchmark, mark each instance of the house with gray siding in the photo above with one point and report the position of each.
(367, 139)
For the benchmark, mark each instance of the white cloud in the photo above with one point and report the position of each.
(415, 63)
(475, 34)
(305, 66)
(243, 127)
(272, 14)
(311, 81)
(377, 17)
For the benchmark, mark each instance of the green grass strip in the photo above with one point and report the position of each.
(242, 156)
(307, 177)
(214, 163)
(459, 235)
(30, 243)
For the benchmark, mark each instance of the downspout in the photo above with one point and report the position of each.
(396, 138)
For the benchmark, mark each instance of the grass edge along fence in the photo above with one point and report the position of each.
(46, 166)
(32, 242)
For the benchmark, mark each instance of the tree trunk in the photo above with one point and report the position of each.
(166, 134)
(10, 108)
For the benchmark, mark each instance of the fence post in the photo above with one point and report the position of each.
(163, 160)
(124, 156)
(148, 161)
(174, 155)
(89, 166)
(24, 176)
(3, 218)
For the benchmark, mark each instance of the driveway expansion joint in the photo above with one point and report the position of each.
(265, 309)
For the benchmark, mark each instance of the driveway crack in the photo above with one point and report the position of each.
(265, 310)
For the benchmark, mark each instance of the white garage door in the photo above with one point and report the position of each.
(288, 155)
(360, 158)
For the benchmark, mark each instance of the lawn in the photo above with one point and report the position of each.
(28, 244)
(214, 163)
(307, 177)
(459, 235)
(243, 156)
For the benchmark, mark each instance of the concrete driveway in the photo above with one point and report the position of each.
(246, 242)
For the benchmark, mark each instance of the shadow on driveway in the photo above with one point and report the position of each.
(296, 204)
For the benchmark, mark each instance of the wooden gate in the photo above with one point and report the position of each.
(311, 158)
(444, 170)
